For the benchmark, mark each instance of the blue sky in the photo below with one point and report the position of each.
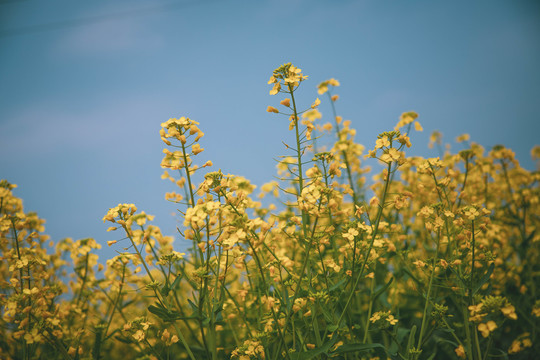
(84, 87)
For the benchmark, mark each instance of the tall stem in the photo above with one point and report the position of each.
(344, 153)
(374, 235)
(305, 218)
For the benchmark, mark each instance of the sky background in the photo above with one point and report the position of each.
(84, 87)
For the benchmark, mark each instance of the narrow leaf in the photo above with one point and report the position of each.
(383, 289)
(313, 353)
(484, 278)
(348, 348)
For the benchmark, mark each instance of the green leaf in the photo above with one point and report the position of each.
(332, 328)
(410, 343)
(111, 335)
(327, 316)
(312, 353)
(338, 286)
(444, 330)
(383, 289)
(165, 290)
(358, 347)
(127, 303)
(406, 271)
(484, 278)
(158, 310)
(218, 313)
(193, 306)
(401, 334)
(163, 313)
(125, 340)
(441, 340)
(175, 283)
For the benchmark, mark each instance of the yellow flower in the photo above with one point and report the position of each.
(486, 328)
(139, 335)
(405, 140)
(391, 155)
(196, 148)
(286, 102)
(168, 339)
(312, 115)
(316, 103)
(405, 119)
(371, 154)
(460, 352)
(382, 142)
(471, 213)
(291, 76)
(272, 109)
(392, 320)
(375, 317)
(275, 89)
(294, 76)
(73, 351)
(34, 291)
(323, 87)
(463, 138)
(509, 311)
(33, 336)
(435, 138)
(351, 234)
(515, 347)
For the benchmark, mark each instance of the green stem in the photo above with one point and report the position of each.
(464, 182)
(471, 287)
(305, 218)
(163, 301)
(130, 237)
(344, 153)
(192, 196)
(115, 304)
(366, 255)
(467, 327)
(425, 315)
(26, 353)
(366, 330)
(83, 279)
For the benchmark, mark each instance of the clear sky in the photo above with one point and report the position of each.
(84, 87)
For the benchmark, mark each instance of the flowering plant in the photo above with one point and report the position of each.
(436, 258)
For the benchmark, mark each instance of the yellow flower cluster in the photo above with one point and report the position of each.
(323, 87)
(250, 349)
(287, 75)
(381, 317)
(322, 261)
